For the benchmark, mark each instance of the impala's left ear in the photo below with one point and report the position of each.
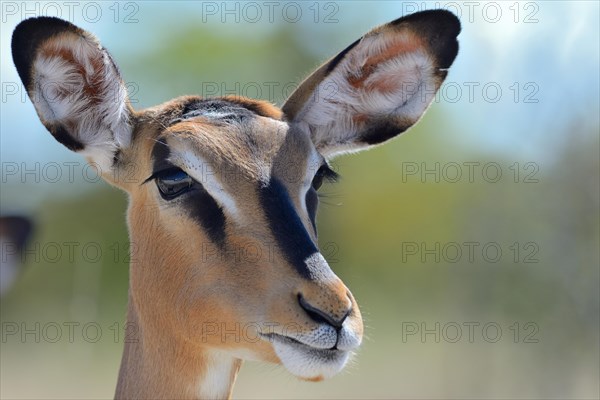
(377, 87)
(75, 87)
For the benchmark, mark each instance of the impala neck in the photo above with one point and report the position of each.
(161, 367)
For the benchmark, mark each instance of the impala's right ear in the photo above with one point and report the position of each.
(75, 87)
(377, 87)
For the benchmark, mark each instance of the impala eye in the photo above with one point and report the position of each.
(324, 172)
(172, 183)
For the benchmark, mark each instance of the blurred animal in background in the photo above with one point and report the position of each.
(14, 233)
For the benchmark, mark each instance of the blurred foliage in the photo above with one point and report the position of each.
(217, 64)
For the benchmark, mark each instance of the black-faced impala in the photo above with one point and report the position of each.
(206, 177)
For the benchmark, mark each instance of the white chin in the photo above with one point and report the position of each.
(310, 363)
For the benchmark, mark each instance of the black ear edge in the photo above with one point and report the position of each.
(64, 137)
(440, 28)
(442, 19)
(382, 129)
(29, 35)
(340, 56)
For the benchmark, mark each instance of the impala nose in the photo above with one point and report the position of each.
(334, 318)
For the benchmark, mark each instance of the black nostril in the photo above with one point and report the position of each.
(321, 316)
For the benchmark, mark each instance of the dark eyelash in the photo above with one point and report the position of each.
(330, 175)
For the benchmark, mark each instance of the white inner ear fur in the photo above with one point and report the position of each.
(85, 94)
(401, 85)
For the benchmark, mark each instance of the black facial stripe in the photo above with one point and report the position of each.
(204, 209)
(286, 226)
(198, 202)
(312, 202)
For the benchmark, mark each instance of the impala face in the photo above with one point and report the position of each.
(226, 214)
(223, 192)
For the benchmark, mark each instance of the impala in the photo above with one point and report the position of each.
(207, 176)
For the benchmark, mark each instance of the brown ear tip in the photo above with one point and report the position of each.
(29, 35)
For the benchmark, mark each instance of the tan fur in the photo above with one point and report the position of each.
(177, 279)
(197, 305)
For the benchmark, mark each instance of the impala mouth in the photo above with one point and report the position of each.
(307, 361)
(272, 337)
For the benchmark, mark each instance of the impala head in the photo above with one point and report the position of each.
(223, 192)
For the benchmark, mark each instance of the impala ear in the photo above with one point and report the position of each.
(378, 86)
(75, 87)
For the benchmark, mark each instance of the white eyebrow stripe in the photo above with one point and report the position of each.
(204, 173)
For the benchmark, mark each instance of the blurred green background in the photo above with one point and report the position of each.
(379, 226)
